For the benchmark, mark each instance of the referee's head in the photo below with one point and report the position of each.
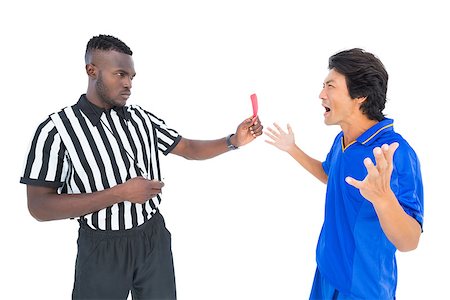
(110, 69)
(105, 43)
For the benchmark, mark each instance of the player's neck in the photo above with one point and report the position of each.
(353, 130)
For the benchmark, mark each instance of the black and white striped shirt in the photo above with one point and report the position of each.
(84, 149)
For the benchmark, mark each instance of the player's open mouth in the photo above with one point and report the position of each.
(327, 110)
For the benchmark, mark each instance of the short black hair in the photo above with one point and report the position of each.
(365, 76)
(106, 43)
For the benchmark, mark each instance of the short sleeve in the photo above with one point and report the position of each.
(167, 138)
(406, 181)
(335, 147)
(46, 163)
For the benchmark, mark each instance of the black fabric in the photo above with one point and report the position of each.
(94, 113)
(110, 264)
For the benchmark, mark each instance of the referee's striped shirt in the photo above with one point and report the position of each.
(84, 149)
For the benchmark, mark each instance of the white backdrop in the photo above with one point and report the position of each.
(244, 225)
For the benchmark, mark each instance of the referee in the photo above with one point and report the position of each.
(98, 161)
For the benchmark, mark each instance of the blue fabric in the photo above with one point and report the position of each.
(323, 290)
(353, 252)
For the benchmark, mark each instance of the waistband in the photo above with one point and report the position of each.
(154, 220)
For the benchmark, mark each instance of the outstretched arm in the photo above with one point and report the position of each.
(285, 141)
(400, 228)
(246, 132)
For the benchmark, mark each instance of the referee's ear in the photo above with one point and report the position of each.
(91, 71)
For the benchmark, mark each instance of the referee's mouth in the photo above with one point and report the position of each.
(125, 95)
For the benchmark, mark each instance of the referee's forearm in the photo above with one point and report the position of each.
(46, 205)
(200, 149)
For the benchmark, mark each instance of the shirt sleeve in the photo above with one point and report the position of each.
(46, 163)
(167, 138)
(328, 160)
(406, 182)
(326, 163)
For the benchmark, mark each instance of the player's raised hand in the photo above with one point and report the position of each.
(279, 138)
(376, 186)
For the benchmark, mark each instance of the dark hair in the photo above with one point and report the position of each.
(365, 77)
(106, 43)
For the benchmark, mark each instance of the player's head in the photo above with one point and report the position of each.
(365, 77)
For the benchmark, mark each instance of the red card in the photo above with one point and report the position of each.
(254, 104)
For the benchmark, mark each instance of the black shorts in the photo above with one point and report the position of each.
(110, 264)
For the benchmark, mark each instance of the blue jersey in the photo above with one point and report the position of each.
(353, 252)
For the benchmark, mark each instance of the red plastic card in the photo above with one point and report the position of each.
(254, 104)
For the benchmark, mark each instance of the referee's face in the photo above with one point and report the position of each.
(114, 78)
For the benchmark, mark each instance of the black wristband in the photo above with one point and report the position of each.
(229, 144)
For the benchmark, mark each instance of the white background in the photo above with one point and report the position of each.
(244, 225)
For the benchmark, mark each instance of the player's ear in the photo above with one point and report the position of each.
(360, 100)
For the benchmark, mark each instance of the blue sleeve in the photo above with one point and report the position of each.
(326, 164)
(336, 143)
(406, 182)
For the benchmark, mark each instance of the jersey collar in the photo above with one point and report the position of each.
(371, 134)
(94, 113)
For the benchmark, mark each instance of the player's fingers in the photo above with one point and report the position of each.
(380, 160)
(273, 132)
(370, 167)
(389, 151)
(353, 182)
(289, 129)
(279, 128)
(270, 135)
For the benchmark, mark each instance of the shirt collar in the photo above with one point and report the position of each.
(94, 113)
(373, 132)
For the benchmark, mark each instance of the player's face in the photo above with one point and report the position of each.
(339, 106)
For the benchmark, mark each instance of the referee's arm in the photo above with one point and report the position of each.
(45, 204)
(246, 132)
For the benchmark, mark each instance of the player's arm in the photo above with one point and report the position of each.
(400, 228)
(285, 141)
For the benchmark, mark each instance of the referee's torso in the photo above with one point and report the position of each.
(84, 149)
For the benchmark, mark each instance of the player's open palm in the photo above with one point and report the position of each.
(376, 186)
(279, 138)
